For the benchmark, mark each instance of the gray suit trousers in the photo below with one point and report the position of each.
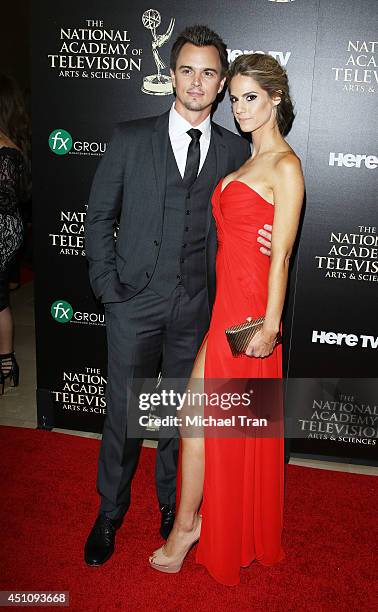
(144, 334)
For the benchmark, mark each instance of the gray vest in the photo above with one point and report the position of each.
(187, 214)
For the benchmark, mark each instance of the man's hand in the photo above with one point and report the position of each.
(265, 238)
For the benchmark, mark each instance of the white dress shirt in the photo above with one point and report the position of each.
(180, 140)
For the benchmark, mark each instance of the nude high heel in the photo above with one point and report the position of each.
(161, 562)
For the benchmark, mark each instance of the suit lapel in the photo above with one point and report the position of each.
(221, 154)
(160, 136)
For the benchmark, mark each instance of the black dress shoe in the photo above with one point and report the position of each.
(168, 514)
(99, 546)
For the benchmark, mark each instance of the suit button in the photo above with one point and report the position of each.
(186, 229)
(182, 260)
(188, 212)
(184, 245)
(156, 243)
(178, 276)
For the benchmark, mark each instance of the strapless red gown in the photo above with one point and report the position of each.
(242, 505)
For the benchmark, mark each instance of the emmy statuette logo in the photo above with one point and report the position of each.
(157, 84)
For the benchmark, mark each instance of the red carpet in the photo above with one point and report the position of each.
(49, 503)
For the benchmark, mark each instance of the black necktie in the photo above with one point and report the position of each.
(193, 158)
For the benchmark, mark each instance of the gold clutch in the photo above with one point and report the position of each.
(239, 336)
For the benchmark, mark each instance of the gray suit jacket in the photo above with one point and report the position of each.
(129, 185)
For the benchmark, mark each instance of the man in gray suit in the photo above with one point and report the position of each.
(157, 281)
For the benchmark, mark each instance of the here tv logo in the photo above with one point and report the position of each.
(344, 339)
(351, 160)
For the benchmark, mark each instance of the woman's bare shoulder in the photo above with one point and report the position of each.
(288, 165)
(288, 180)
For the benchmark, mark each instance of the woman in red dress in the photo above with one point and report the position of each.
(240, 479)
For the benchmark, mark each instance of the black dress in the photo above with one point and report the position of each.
(11, 227)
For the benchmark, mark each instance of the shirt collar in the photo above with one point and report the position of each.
(178, 125)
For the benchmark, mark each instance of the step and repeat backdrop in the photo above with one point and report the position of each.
(95, 64)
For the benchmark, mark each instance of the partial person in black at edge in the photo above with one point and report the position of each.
(14, 156)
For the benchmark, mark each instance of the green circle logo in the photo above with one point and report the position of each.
(61, 311)
(60, 142)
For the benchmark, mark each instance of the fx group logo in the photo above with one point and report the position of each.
(60, 142)
(61, 311)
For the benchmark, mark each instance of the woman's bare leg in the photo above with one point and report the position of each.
(192, 474)
(6, 331)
